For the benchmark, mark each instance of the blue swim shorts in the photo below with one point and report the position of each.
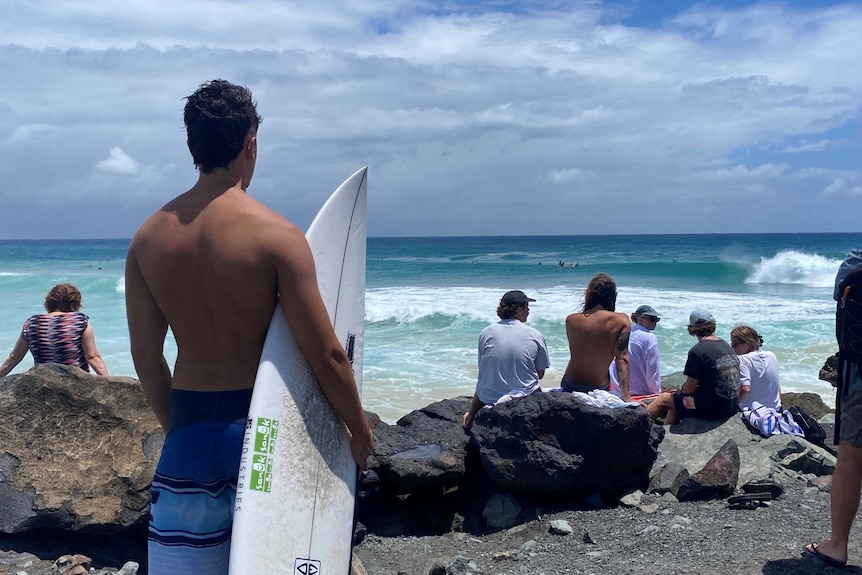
(194, 487)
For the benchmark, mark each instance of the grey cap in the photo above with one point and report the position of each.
(700, 317)
(646, 310)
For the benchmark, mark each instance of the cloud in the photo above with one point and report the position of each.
(457, 108)
(839, 187)
(565, 175)
(819, 146)
(118, 162)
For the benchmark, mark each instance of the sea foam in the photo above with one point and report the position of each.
(793, 267)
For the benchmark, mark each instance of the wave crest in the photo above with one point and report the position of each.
(793, 267)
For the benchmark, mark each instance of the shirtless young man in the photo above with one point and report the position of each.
(211, 265)
(596, 336)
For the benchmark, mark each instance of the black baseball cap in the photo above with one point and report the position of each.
(515, 297)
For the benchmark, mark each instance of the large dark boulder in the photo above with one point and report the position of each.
(78, 451)
(427, 448)
(548, 443)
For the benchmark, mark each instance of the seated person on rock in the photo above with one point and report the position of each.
(597, 335)
(758, 369)
(644, 373)
(513, 356)
(711, 388)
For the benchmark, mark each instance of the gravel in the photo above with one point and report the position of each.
(679, 537)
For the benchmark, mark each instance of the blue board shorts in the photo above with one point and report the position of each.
(194, 488)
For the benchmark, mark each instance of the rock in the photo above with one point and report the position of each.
(72, 564)
(79, 451)
(436, 567)
(427, 448)
(671, 476)
(130, 568)
(551, 443)
(632, 499)
(501, 511)
(811, 403)
(356, 566)
(560, 527)
(717, 479)
(691, 442)
(672, 381)
(461, 565)
(829, 371)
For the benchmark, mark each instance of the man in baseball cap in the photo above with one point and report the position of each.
(513, 356)
(644, 374)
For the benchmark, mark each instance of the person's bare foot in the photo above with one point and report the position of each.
(826, 553)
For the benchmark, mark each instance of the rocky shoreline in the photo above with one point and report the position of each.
(437, 512)
(659, 536)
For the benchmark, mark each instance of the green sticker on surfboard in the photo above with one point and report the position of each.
(266, 431)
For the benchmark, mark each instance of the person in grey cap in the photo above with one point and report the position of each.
(711, 388)
(513, 356)
(644, 374)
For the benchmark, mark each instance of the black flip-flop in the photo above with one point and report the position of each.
(811, 550)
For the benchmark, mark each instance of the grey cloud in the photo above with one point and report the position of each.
(472, 123)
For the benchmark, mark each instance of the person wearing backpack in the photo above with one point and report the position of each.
(847, 478)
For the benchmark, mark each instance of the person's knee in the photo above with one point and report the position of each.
(850, 456)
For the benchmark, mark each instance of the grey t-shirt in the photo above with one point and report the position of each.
(510, 355)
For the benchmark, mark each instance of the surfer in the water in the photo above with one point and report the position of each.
(210, 265)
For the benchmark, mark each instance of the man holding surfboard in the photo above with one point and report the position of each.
(213, 265)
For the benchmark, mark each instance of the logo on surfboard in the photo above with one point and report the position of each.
(306, 567)
(265, 433)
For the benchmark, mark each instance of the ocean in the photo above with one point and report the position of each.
(427, 299)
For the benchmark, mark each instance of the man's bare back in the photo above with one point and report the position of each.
(596, 337)
(212, 265)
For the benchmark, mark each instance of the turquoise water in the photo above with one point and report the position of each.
(428, 299)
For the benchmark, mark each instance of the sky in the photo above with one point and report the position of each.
(540, 117)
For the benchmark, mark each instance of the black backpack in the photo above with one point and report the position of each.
(814, 432)
(848, 325)
(848, 332)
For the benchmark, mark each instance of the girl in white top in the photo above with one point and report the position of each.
(758, 369)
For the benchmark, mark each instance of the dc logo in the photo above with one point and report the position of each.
(306, 567)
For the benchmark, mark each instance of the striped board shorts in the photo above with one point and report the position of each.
(194, 488)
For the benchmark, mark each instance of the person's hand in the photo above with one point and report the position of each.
(467, 420)
(361, 447)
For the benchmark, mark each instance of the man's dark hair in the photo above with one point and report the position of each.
(602, 290)
(508, 311)
(218, 117)
(705, 329)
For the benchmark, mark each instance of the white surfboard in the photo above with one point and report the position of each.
(297, 479)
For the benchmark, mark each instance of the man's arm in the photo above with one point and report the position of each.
(653, 372)
(623, 363)
(475, 405)
(147, 330)
(306, 314)
(94, 358)
(744, 380)
(689, 386)
(18, 352)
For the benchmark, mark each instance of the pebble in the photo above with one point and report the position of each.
(561, 527)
